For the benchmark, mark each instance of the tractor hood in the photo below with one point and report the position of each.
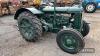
(72, 9)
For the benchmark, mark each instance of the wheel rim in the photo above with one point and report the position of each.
(26, 28)
(90, 7)
(68, 41)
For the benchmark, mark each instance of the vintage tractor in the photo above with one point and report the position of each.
(66, 21)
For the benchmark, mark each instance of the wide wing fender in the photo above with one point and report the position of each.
(33, 10)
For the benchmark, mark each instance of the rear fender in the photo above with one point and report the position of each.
(33, 10)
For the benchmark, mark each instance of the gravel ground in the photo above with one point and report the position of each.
(12, 44)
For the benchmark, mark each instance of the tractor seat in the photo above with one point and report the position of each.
(72, 9)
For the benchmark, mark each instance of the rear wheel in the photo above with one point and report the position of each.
(29, 26)
(70, 40)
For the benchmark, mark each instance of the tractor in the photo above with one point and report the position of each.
(65, 20)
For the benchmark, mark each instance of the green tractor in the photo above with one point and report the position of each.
(66, 21)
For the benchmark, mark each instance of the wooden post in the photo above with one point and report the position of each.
(0, 9)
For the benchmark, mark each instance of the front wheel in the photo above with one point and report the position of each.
(85, 29)
(70, 40)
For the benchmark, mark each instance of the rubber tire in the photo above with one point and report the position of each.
(77, 35)
(35, 22)
(92, 10)
(86, 28)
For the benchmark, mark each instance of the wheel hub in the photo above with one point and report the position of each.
(69, 42)
(90, 7)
